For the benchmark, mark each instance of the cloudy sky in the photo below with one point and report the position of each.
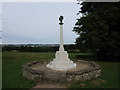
(38, 22)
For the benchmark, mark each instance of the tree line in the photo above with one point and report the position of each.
(25, 48)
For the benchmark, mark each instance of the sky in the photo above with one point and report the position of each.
(38, 22)
(0, 22)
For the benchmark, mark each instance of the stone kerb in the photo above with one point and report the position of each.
(79, 75)
(31, 74)
(84, 75)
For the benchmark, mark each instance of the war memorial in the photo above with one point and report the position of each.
(61, 68)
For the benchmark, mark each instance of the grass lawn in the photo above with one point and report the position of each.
(12, 71)
(110, 78)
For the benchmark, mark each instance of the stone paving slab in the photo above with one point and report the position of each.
(47, 85)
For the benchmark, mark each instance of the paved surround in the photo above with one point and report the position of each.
(37, 71)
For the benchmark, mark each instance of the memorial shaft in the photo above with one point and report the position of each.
(61, 39)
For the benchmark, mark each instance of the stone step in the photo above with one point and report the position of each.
(55, 76)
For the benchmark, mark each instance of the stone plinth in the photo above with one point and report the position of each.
(61, 62)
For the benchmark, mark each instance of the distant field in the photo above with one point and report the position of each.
(12, 71)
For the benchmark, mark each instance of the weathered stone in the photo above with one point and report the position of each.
(37, 74)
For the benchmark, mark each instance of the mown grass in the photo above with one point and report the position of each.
(12, 68)
(110, 77)
(12, 71)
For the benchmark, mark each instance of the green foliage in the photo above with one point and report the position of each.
(98, 28)
(29, 48)
(44, 48)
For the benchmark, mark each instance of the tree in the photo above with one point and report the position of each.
(98, 28)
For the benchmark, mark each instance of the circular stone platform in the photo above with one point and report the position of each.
(38, 71)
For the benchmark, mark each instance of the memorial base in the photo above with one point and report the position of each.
(61, 62)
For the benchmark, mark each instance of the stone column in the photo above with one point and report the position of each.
(61, 37)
